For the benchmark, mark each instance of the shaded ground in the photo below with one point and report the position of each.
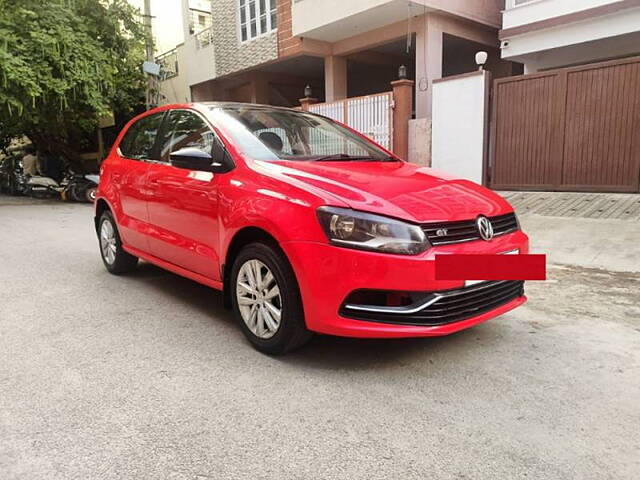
(146, 376)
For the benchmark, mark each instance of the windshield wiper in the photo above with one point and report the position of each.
(344, 157)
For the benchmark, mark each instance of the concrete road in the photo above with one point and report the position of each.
(147, 377)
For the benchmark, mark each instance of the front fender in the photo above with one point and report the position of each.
(283, 211)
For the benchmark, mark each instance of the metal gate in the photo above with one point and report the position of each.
(371, 115)
(575, 129)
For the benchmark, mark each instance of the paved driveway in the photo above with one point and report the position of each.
(146, 376)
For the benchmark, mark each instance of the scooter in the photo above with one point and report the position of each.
(81, 188)
(39, 186)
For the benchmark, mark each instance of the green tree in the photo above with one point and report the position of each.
(65, 63)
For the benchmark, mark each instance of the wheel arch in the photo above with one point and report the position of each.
(101, 206)
(242, 238)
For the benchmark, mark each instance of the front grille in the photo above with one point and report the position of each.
(442, 307)
(466, 230)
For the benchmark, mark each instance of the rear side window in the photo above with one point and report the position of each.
(139, 140)
(185, 129)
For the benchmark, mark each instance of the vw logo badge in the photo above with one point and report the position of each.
(485, 229)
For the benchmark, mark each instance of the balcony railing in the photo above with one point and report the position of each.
(204, 38)
(168, 62)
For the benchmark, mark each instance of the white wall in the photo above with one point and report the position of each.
(459, 125)
(619, 46)
(537, 10)
(176, 89)
(598, 28)
(199, 62)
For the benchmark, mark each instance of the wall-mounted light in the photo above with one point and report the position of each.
(481, 59)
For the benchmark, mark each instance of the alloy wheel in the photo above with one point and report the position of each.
(108, 242)
(259, 299)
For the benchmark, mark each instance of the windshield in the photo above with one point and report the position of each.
(273, 134)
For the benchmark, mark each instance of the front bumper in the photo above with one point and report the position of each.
(327, 275)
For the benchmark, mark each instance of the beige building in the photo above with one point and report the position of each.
(268, 51)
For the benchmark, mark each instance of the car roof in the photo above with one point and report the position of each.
(244, 105)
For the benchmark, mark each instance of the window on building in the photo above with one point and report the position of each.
(256, 17)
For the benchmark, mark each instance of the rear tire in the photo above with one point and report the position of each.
(266, 300)
(115, 259)
(77, 192)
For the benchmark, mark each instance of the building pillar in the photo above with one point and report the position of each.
(402, 111)
(428, 64)
(335, 78)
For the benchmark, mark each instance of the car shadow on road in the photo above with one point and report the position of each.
(332, 353)
(206, 300)
(323, 352)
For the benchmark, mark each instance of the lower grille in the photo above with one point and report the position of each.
(442, 307)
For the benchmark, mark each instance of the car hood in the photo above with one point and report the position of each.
(397, 189)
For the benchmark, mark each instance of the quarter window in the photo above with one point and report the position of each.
(185, 129)
(139, 140)
(256, 17)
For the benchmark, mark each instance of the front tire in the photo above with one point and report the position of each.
(115, 259)
(266, 300)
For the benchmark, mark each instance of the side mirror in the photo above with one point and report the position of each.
(191, 158)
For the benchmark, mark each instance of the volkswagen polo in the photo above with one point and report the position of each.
(306, 225)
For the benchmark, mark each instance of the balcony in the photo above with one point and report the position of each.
(204, 38)
(545, 34)
(334, 20)
(524, 12)
(169, 65)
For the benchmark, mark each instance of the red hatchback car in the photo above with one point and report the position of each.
(306, 225)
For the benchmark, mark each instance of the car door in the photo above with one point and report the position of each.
(135, 151)
(183, 204)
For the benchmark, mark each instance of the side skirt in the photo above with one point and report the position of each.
(196, 277)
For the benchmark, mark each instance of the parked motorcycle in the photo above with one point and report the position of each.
(39, 186)
(12, 179)
(81, 187)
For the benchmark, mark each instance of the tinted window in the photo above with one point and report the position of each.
(185, 129)
(139, 140)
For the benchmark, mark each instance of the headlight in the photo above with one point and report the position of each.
(350, 228)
